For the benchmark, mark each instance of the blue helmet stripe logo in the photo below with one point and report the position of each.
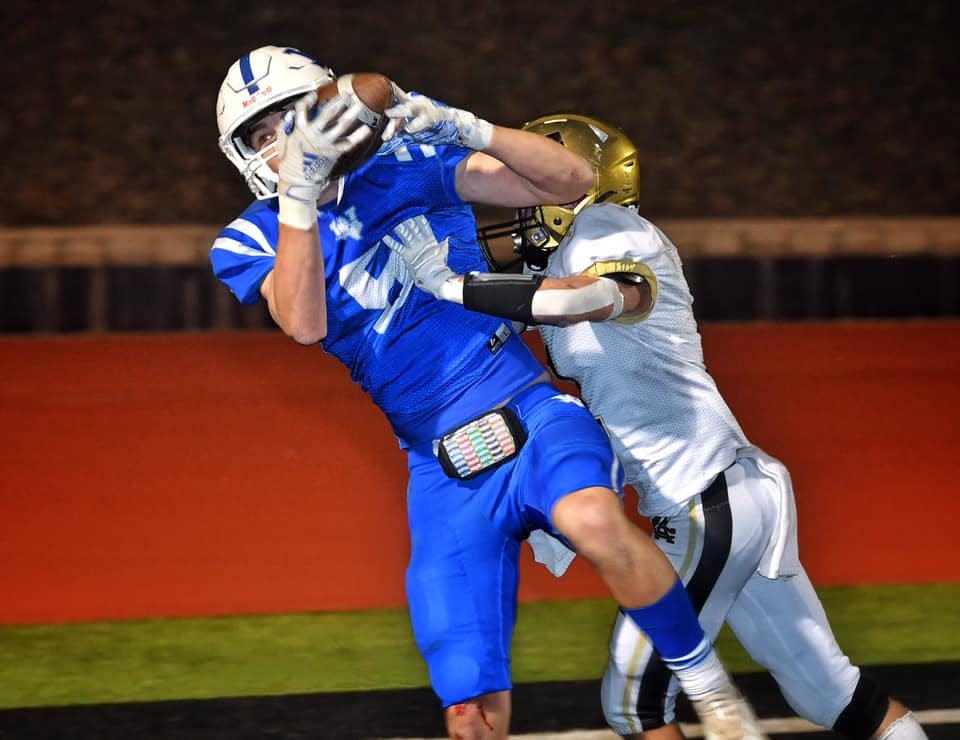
(298, 53)
(247, 73)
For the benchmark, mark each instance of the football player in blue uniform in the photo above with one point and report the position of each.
(495, 452)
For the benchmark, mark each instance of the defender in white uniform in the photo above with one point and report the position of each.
(722, 510)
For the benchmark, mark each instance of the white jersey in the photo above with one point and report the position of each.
(727, 511)
(646, 379)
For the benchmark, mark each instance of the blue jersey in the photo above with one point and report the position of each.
(429, 364)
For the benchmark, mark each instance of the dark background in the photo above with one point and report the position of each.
(739, 108)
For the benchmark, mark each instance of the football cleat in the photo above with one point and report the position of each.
(726, 715)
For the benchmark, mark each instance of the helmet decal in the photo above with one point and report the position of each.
(247, 73)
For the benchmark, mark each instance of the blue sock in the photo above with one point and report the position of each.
(673, 628)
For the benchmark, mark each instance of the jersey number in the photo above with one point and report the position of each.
(373, 293)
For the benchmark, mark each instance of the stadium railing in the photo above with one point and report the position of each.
(96, 253)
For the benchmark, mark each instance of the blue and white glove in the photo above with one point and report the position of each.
(309, 143)
(417, 113)
(426, 259)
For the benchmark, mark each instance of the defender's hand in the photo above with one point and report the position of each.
(417, 113)
(309, 144)
(426, 259)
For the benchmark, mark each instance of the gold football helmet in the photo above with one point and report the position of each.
(538, 231)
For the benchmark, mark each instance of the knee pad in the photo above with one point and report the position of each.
(863, 715)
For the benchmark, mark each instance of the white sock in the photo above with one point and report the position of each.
(904, 728)
(699, 678)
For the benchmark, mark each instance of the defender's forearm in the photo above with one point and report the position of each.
(534, 299)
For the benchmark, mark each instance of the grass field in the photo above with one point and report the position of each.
(237, 656)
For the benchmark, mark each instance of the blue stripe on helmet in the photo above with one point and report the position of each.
(247, 73)
(297, 52)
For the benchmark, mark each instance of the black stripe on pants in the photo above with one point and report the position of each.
(717, 534)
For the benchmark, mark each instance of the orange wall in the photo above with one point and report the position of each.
(240, 473)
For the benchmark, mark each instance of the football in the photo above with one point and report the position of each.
(376, 93)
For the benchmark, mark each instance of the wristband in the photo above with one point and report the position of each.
(477, 134)
(298, 205)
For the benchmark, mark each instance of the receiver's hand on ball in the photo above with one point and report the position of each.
(310, 141)
(418, 113)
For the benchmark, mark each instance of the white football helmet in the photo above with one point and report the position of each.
(257, 84)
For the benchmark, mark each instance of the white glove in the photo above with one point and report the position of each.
(393, 124)
(309, 148)
(419, 113)
(426, 259)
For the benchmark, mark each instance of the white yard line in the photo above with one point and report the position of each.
(773, 726)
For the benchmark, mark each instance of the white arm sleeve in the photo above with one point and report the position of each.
(563, 303)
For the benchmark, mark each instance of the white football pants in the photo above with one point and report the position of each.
(715, 541)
